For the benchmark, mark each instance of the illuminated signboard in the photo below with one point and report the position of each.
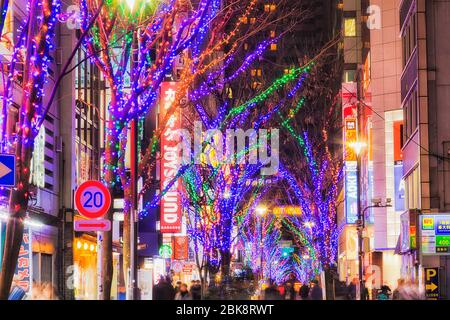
(165, 251)
(22, 276)
(351, 192)
(287, 211)
(159, 269)
(435, 234)
(170, 162)
(349, 113)
(37, 169)
(181, 248)
(399, 184)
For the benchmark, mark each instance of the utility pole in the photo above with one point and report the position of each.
(134, 220)
(360, 221)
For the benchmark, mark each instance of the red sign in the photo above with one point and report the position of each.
(170, 206)
(92, 225)
(188, 267)
(398, 143)
(22, 275)
(92, 199)
(180, 248)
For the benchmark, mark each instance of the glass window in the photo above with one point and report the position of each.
(46, 268)
(349, 75)
(350, 27)
(413, 189)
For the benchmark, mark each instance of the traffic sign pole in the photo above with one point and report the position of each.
(92, 200)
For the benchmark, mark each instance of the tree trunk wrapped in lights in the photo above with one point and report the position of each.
(33, 48)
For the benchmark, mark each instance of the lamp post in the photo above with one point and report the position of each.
(357, 147)
(133, 290)
(376, 204)
(261, 211)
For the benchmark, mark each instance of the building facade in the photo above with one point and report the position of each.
(425, 88)
(372, 108)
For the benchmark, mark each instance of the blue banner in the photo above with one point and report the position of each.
(351, 193)
(399, 202)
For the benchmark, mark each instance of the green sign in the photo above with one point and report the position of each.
(165, 251)
(287, 251)
(443, 241)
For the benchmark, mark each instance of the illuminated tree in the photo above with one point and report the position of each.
(32, 56)
(141, 41)
(213, 99)
(312, 168)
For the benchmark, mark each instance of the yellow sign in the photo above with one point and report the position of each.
(431, 287)
(428, 223)
(287, 210)
(431, 273)
(432, 283)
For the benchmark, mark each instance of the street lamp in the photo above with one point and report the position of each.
(357, 147)
(309, 225)
(130, 3)
(261, 211)
(376, 203)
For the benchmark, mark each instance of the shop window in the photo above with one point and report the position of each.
(256, 72)
(350, 27)
(349, 76)
(256, 85)
(413, 190)
(46, 268)
(411, 114)
(270, 7)
(42, 268)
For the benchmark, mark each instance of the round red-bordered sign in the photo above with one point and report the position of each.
(92, 199)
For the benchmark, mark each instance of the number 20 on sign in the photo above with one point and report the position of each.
(92, 200)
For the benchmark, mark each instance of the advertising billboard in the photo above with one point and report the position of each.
(435, 234)
(170, 206)
(22, 275)
(399, 184)
(181, 248)
(351, 192)
(349, 112)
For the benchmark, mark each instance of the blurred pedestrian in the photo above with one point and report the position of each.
(316, 291)
(163, 290)
(272, 292)
(411, 291)
(289, 291)
(351, 289)
(366, 291)
(398, 293)
(304, 291)
(196, 290)
(384, 293)
(183, 293)
(177, 286)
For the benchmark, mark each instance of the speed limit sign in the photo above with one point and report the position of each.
(92, 200)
